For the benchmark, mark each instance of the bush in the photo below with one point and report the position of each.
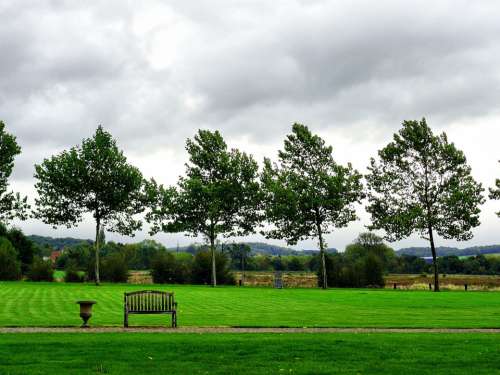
(10, 267)
(201, 272)
(166, 268)
(71, 273)
(345, 272)
(114, 268)
(295, 264)
(373, 271)
(41, 270)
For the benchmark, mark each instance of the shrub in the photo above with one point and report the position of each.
(71, 273)
(348, 272)
(166, 268)
(373, 271)
(10, 267)
(114, 268)
(41, 270)
(295, 264)
(202, 268)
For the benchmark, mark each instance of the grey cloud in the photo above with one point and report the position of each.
(154, 72)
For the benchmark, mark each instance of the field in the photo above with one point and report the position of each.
(53, 304)
(249, 353)
(26, 304)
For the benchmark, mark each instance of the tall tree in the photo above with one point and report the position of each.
(95, 178)
(219, 194)
(11, 204)
(308, 193)
(422, 184)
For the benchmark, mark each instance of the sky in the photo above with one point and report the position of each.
(154, 72)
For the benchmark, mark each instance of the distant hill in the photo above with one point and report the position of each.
(260, 248)
(57, 243)
(267, 249)
(257, 247)
(444, 251)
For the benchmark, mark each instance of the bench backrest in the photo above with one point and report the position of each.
(149, 300)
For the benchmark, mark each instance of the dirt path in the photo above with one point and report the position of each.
(241, 330)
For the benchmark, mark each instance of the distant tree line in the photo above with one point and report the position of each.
(419, 183)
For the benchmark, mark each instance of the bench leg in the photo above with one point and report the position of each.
(174, 320)
(125, 319)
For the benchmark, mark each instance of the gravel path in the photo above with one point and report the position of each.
(241, 330)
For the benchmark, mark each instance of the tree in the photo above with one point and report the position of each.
(24, 247)
(10, 267)
(201, 272)
(308, 193)
(219, 195)
(369, 243)
(422, 184)
(95, 178)
(11, 204)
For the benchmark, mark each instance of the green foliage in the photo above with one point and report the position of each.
(239, 254)
(421, 184)
(72, 274)
(57, 243)
(362, 264)
(79, 255)
(219, 194)
(308, 193)
(24, 247)
(201, 268)
(408, 264)
(10, 267)
(115, 268)
(369, 243)
(297, 264)
(95, 178)
(169, 269)
(11, 204)
(40, 270)
(145, 251)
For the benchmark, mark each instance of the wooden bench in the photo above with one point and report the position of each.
(150, 302)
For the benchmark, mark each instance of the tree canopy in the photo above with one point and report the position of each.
(307, 193)
(219, 194)
(94, 178)
(11, 204)
(422, 184)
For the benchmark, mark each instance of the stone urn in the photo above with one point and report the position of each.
(86, 311)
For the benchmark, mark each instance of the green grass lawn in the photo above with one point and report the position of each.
(249, 354)
(53, 304)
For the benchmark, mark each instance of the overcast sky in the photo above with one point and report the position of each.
(152, 73)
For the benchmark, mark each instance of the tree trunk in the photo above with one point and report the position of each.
(212, 249)
(242, 270)
(434, 260)
(97, 250)
(322, 255)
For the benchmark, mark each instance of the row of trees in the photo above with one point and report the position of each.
(419, 183)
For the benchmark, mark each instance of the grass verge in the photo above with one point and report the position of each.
(105, 353)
